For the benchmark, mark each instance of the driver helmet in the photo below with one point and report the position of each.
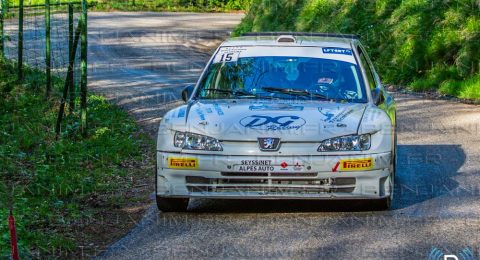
(328, 78)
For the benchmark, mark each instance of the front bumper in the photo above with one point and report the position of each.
(287, 177)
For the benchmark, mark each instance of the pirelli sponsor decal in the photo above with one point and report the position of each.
(183, 163)
(356, 164)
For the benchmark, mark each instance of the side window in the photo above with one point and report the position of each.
(369, 72)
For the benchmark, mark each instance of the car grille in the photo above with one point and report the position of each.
(272, 185)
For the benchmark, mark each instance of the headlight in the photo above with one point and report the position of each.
(346, 143)
(192, 141)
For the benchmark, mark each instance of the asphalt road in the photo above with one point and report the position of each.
(141, 60)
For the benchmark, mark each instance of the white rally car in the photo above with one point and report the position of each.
(280, 116)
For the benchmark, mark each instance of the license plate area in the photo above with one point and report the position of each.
(268, 166)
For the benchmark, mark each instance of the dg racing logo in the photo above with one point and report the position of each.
(262, 122)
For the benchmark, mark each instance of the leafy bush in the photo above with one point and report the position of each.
(420, 43)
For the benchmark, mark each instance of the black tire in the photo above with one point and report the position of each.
(172, 204)
(385, 203)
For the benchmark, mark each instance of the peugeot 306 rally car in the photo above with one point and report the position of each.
(280, 116)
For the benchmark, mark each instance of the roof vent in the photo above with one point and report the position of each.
(286, 39)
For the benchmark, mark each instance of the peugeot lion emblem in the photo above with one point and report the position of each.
(269, 143)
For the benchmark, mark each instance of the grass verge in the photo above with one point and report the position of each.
(70, 197)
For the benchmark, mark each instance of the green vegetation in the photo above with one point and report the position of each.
(171, 5)
(156, 5)
(54, 185)
(428, 45)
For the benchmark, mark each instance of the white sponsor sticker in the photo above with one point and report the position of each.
(266, 166)
(228, 54)
(232, 54)
(254, 168)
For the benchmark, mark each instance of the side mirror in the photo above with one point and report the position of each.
(378, 97)
(187, 92)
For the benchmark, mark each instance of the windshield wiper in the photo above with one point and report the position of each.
(295, 92)
(237, 93)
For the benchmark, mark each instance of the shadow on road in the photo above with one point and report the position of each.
(423, 173)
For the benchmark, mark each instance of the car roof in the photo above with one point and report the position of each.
(298, 40)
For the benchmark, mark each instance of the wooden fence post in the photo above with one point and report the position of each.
(70, 59)
(20, 41)
(2, 33)
(48, 48)
(84, 69)
(66, 86)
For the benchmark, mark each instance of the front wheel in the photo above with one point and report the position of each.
(385, 203)
(172, 204)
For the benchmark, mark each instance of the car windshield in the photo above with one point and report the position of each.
(274, 77)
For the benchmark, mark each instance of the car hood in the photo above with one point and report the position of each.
(246, 120)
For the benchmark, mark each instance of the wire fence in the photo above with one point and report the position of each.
(50, 37)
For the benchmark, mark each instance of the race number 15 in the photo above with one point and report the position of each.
(226, 57)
